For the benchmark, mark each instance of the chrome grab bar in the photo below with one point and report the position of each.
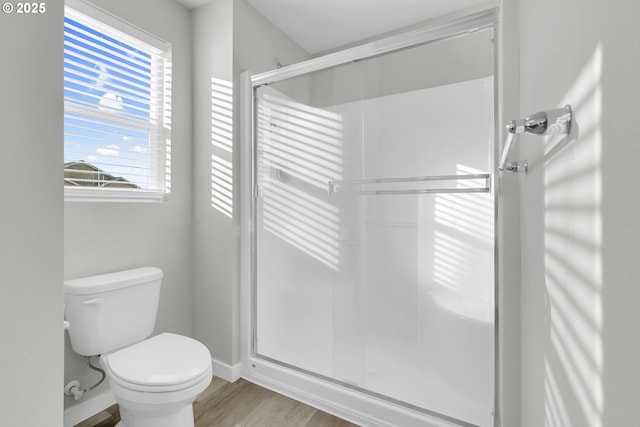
(377, 186)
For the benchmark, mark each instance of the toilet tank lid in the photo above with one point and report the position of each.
(112, 281)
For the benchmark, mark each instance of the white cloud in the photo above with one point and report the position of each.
(103, 76)
(111, 150)
(110, 101)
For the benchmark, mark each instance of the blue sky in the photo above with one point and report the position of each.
(102, 75)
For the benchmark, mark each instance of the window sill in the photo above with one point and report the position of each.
(93, 194)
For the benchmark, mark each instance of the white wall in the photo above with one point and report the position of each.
(214, 246)
(31, 218)
(508, 233)
(229, 37)
(104, 237)
(580, 234)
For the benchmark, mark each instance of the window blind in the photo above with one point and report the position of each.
(116, 105)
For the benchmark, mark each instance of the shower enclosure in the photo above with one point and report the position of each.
(370, 267)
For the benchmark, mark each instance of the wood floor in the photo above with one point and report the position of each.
(240, 404)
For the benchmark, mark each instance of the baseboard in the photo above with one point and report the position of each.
(343, 402)
(226, 372)
(88, 408)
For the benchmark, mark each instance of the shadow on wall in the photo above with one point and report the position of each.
(463, 252)
(222, 146)
(299, 152)
(573, 260)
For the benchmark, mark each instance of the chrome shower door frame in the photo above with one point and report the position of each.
(336, 397)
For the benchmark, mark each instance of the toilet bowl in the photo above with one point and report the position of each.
(154, 380)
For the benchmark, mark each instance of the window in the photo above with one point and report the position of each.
(116, 108)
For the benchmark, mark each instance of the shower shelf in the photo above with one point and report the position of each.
(472, 183)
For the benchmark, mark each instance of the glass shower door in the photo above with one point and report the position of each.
(375, 227)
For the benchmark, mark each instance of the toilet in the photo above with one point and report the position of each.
(154, 380)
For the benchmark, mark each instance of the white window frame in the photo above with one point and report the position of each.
(159, 159)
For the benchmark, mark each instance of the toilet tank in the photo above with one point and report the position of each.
(111, 311)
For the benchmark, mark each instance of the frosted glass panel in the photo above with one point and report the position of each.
(392, 294)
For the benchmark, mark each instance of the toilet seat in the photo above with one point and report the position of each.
(164, 363)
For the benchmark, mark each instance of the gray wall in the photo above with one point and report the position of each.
(509, 273)
(104, 237)
(229, 38)
(213, 241)
(31, 218)
(580, 233)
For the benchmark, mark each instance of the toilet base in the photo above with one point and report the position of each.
(183, 417)
(156, 409)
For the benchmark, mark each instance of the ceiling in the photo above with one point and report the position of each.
(319, 25)
(192, 4)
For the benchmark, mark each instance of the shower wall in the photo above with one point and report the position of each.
(392, 294)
